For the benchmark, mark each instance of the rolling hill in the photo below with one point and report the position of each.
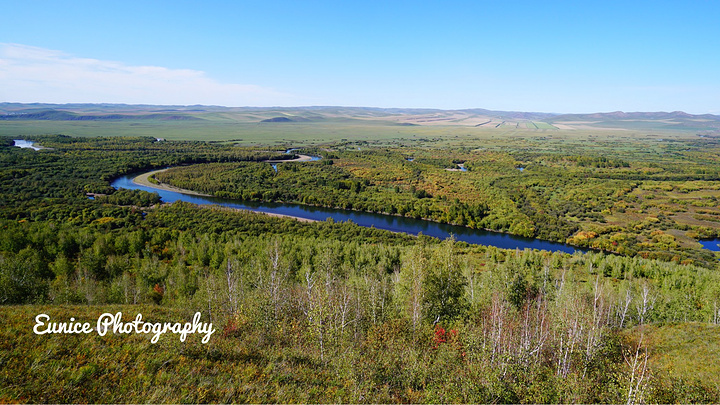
(477, 117)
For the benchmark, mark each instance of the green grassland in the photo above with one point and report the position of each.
(246, 133)
(507, 137)
(682, 349)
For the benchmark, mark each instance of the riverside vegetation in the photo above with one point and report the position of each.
(333, 312)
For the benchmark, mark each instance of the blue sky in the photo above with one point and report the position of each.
(552, 56)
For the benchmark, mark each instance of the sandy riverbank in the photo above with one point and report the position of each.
(300, 158)
(143, 180)
(272, 214)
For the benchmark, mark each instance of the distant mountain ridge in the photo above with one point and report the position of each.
(673, 121)
(8, 108)
(473, 117)
(59, 115)
(660, 115)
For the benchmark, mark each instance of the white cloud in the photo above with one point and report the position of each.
(32, 74)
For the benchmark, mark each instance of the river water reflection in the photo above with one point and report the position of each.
(711, 244)
(380, 221)
(21, 143)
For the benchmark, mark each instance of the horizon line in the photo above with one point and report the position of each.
(347, 106)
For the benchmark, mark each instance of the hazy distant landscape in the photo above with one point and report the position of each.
(479, 118)
(315, 308)
(317, 125)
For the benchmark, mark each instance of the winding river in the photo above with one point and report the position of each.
(381, 221)
(387, 222)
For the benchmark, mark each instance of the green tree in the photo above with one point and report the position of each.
(445, 286)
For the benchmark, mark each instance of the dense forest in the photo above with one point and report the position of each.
(656, 210)
(334, 312)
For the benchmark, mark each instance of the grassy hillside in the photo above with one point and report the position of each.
(686, 350)
(246, 365)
